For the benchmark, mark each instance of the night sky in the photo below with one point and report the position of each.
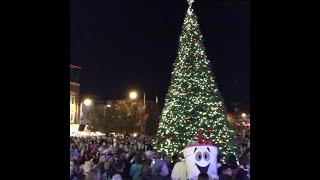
(124, 44)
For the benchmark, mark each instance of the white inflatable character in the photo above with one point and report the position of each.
(201, 157)
(179, 171)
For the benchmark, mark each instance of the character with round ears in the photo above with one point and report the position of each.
(200, 159)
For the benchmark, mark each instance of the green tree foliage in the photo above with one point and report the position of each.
(193, 102)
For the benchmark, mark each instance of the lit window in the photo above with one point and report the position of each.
(71, 117)
(73, 98)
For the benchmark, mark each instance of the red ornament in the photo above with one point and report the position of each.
(200, 137)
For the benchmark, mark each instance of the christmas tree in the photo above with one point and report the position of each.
(193, 102)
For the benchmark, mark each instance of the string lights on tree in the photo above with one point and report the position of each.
(193, 102)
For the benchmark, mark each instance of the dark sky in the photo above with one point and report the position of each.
(123, 44)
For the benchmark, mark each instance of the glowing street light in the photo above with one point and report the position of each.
(244, 115)
(87, 102)
(133, 95)
(85, 106)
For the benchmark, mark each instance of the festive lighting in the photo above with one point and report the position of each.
(193, 101)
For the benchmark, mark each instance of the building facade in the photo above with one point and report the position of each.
(74, 94)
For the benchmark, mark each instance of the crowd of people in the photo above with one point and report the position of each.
(238, 169)
(133, 158)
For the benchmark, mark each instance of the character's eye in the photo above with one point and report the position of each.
(206, 156)
(198, 156)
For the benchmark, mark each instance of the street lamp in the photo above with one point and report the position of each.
(87, 102)
(85, 106)
(243, 115)
(133, 95)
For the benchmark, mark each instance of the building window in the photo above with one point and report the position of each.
(73, 98)
(71, 117)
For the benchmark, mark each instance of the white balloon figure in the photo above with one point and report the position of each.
(201, 158)
(179, 171)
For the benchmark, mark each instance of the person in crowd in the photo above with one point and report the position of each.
(94, 174)
(102, 161)
(87, 166)
(118, 168)
(244, 158)
(75, 167)
(241, 174)
(136, 168)
(108, 167)
(175, 158)
(74, 152)
(232, 161)
(146, 169)
(203, 176)
(226, 172)
(161, 170)
(71, 169)
(127, 166)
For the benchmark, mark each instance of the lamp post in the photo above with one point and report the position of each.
(243, 115)
(84, 113)
(134, 95)
(144, 100)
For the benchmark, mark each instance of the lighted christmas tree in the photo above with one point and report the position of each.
(193, 102)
